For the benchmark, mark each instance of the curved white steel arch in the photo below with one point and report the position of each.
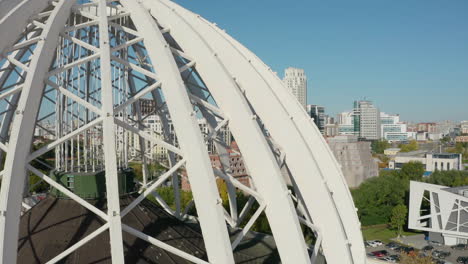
(198, 165)
(12, 14)
(247, 94)
(309, 175)
(22, 133)
(258, 157)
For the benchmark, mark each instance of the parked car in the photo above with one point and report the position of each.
(374, 243)
(434, 243)
(440, 254)
(388, 259)
(462, 259)
(442, 261)
(392, 245)
(407, 250)
(380, 253)
(460, 246)
(444, 254)
(395, 257)
(427, 248)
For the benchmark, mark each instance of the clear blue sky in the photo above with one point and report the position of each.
(408, 56)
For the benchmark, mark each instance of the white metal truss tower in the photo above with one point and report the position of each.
(77, 70)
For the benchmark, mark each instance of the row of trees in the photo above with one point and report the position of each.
(460, 148)
(383, 199)
(379, 146)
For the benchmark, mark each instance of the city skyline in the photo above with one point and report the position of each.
(409, 58)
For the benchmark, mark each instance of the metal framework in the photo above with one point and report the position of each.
(75, 72)
(439, 209)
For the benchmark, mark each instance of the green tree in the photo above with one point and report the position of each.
(379, 146)
(376, 197)
(411, 146)
(450, 178)
(460, 148)
(398, 218)
(412, 170)
(446, 139)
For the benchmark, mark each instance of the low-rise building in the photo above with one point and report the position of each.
(431, 161)
(355, 159)
(427, 127)
(236, 167)
(434, 136)
(392, 151)
(464, 127)
(346, 130)
(421, 136)
(331, 130)
(461, 139)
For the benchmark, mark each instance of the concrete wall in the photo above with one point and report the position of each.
(356, 160)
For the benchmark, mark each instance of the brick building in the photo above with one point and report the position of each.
(461, 139)
(427, 127)
(237, 167)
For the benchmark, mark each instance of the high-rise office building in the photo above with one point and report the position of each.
(296, 81)
(392, 129)
(366, 120)
(318, 114)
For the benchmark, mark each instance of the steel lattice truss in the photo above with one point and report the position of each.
(85, 65)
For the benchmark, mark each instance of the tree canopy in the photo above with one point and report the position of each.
(398, 218)
(411, 146)
(379, 146)
(376, 197)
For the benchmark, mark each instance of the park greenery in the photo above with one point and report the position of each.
(408, 147)
(460, 148)
(413, 258)
(379, 146)
(398, 218)
(377, 198)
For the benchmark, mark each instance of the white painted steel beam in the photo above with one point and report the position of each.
(108, 124)
(14, 16)
(79, 244)
(163, 245)
(199, 169)
(23, 125)
(328, 167)
(312, 164)
(239, 88)
(249, 137)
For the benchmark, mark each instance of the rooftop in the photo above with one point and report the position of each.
(56, 224)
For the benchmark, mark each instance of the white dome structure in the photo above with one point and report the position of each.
(74, 72)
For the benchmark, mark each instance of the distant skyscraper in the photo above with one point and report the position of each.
(296, 81)
(318, 114)
(366, 120)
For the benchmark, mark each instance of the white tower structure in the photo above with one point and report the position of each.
(296, 81)
(85, 65)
